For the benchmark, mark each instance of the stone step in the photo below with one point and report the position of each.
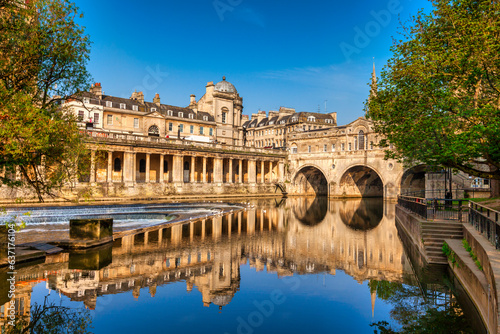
(439, 228)
(441, 223)
(440, 233)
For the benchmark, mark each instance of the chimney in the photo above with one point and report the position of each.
(192, 100)
(96, 89)
(139, 96)
(156, 99)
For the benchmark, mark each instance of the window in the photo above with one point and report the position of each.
(224, 117)
(350, 146)
(153, 109)
(109, 104)
(333, 147)
(180, 114)
(117, 165)
(181, 127)
(142, 166)
(153, 131)
(191, 128)
(136, 123)
(96, 117)
(201, 130)
(165, 166)
(122, 105)
(81, 115)
(361, 140)
(170, 112)
(205, 118)
(110, 119)
(191, 116)
(135, 108)
(211, 131)
(309, 149)
(294, 150)
(325, 148)
(311, 119)
(342, 147)
(371, 145)
(170, 127)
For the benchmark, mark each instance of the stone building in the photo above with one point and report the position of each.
(272, 130)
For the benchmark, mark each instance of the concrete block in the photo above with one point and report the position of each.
(90, 229)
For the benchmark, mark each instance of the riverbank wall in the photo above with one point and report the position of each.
(481, 286)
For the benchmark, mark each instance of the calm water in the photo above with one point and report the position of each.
(294, 266)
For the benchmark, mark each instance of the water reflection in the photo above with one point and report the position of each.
(299, 236)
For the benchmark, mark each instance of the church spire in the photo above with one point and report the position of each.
(373, 90)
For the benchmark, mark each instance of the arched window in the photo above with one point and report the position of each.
(153, 131)
(186, 165)
(361, 140)
(117, 165)
(142, 166)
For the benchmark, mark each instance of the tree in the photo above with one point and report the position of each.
(43, 56)
(438, 98)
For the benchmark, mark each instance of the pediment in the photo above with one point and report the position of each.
(155, 114)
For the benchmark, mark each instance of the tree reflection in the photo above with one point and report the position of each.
(418, 314)
(50, 318)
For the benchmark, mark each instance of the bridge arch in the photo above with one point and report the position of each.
(413, 180)
(361, 181)
(310, 180)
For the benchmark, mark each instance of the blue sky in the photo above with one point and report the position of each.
(276, 53)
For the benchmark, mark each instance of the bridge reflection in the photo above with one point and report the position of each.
(298, 236)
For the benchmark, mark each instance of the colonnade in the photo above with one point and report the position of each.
(143, 167)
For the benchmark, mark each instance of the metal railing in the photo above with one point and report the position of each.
(414, 204)
(436, 208)
(485, 221)
(447, 209)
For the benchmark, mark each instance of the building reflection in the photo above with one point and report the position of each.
(299, 236)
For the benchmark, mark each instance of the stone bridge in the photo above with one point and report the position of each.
(346, 162)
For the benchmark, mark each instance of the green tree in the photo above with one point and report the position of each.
(43, 57)
(438, 98)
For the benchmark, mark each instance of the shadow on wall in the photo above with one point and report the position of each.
(311, 181)
(361, 181)
(362, 214)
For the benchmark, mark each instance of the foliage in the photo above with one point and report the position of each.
(450, 254)
(433, 320)
(438, 98)
(415, 314)
(43, 54)
(468, 248)
(53, 319)
(16, 222)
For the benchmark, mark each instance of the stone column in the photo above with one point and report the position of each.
(240, 175)
(281, 171)
(218, 170)
(177, 169)
(262, 171)
(128, 166)
(271, 180)
(230, 180)
(134, 167)
(252, 176)
(92, 166)
(162, 171)
(110, 166)
(204, 171)
(148, 166)
(192, 177)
